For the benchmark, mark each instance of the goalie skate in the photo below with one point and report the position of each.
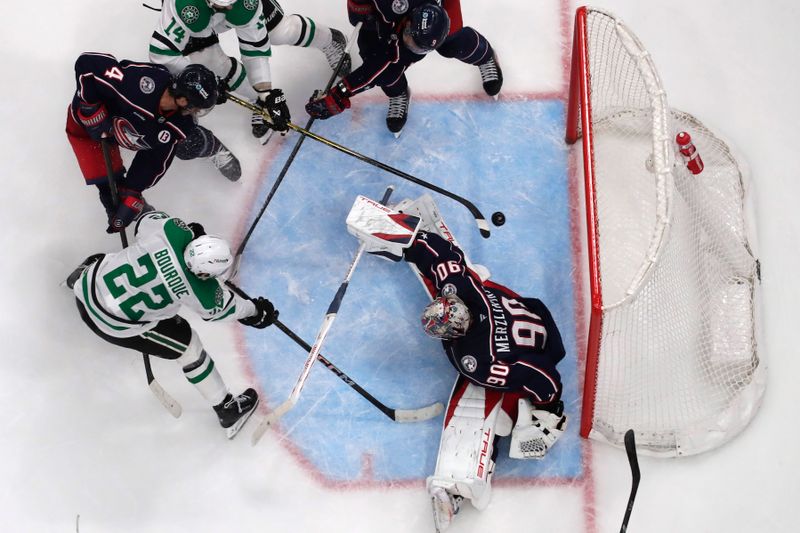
(445, 507)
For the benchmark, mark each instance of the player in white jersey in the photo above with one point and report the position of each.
(131, 298)
(187, 32)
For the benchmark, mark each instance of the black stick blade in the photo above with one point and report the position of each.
(636, 476)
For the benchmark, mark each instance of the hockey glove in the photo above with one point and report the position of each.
(332, 103)
(130, 206)
(72, 278)
(274, 103)
(197, 229)
(265, 314)
(222, 90)
(94, 118)
(536, 430)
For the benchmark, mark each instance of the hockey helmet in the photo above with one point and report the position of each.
(208, 256)
(446, 317)
(426, 29)
(198, 85)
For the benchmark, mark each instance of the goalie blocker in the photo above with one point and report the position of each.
(505, 349)
(383, 231)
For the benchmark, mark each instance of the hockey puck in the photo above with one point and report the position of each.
(498, 218)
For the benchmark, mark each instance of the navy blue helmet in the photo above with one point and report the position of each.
(426, 29)
(198, 85)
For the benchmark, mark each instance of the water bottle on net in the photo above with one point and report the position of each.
(690, 155)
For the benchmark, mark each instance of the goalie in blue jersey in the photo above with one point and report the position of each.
(505, 348)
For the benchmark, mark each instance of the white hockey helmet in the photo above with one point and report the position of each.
(446, 317)
(220, 3)
(208, 256)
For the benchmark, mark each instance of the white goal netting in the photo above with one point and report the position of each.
(676, 355)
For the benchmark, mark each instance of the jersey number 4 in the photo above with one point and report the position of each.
(114, 73)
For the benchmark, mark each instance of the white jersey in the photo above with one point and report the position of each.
(182, 20)
(129, 292)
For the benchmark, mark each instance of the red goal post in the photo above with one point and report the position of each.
(672, 344)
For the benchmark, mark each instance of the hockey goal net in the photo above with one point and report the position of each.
(672, 351)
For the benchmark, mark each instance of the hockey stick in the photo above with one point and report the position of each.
(166, 400)
(398, 415)
(480, 220)
(330, 316)
(630, 449)
(292, 155)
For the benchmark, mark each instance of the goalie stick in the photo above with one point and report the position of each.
(480, 220)
(398, 415)
(630, 449)
(292, 155)
(327, 322)
(158, 391)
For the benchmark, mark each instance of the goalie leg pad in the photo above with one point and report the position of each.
(536, 431)
(465, 464)
(383, 231)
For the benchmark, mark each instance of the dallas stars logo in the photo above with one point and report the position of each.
(190, 14)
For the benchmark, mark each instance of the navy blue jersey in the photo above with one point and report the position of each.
(384, 59)
(393, 11)
(512, 344)
(132, 92)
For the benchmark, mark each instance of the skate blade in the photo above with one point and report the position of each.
(234, 429)
(265, 138)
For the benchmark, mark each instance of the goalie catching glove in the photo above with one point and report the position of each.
(536, 430)
(324, 106)
(265, 314)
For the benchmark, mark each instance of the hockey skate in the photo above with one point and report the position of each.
(334, 52)
(445, 507)
(398, 112)
(234, 411)
(227, 163)
(261, 129)
(492, 76)
(73, 278)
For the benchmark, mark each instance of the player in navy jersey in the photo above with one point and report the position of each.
(505, 348)
(396, 34)
(140, 107)
(501, 340)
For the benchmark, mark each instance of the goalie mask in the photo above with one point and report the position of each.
(446, 317)
(208, 256)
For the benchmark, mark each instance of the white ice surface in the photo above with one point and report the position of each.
(85, 438)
